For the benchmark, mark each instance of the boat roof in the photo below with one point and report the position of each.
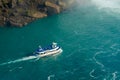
(44, 49)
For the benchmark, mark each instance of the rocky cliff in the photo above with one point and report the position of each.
(21, 12)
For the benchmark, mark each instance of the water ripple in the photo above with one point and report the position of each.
(94, 58)
(91, 74)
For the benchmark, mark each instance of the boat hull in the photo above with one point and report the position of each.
(50, 53)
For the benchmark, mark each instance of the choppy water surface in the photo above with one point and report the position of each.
(89, 34)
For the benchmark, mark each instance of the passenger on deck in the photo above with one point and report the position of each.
(54, 45)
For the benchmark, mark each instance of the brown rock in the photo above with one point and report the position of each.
(39, 15)
(52, 7)
(21, 12)
(2, 20)
(14, 3)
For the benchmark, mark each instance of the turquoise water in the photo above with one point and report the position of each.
(89, 35)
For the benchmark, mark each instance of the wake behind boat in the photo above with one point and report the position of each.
(40, 52)
(49, 50)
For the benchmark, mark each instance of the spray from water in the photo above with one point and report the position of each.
(111, 5)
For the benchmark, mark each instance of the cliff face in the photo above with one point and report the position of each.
(21, 12)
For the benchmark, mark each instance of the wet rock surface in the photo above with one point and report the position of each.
(21, 12)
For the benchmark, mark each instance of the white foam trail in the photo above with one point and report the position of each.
(113, 46)
(104, 79)
(50, 76)
(91, 73)
(116, 49)
(19, 60)
(114, 75)
(97, 60)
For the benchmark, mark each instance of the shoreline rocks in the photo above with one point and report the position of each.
(21, 12)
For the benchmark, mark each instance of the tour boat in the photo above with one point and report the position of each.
(49, 50)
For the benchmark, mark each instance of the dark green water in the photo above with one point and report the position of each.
(88, 34)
